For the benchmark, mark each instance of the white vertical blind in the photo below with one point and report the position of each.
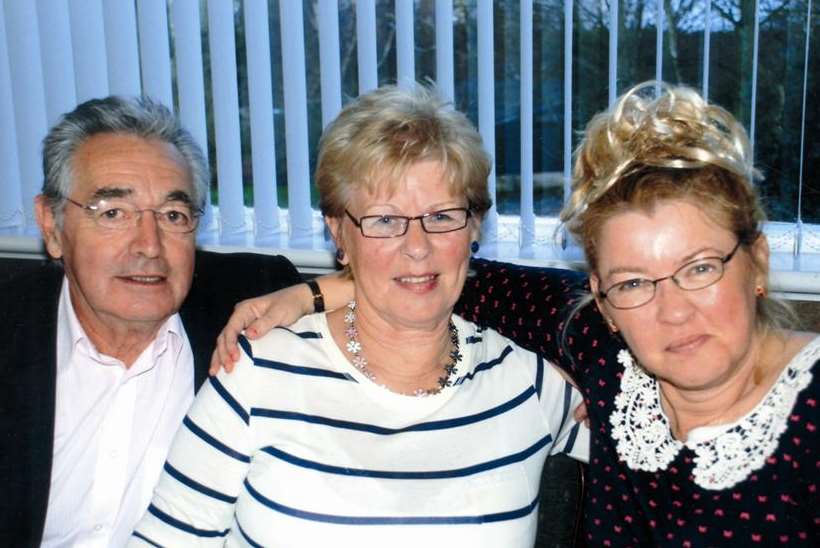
(11, 208)
(122, 49)
(226, 120)
(366, 45)
(155, 53)
(296, 124)
(55, 54)
(527, 211)
(752, 125)
(26, 83)
(800, 235)
(88, 42)
(613, 51)
(58, 63)
(405, 44)
(486, 106)
(190, 80)
(568, 28)
(660, 22)
(445, 73)
(330, 69)
(707, 47)
(263, 145)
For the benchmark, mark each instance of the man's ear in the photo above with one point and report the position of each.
(48, 227)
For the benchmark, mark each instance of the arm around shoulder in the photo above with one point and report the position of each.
(535, 307)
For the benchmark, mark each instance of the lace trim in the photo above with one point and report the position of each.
(644, 438)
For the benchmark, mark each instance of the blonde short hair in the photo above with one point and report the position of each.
(660, 142)
(376, 138)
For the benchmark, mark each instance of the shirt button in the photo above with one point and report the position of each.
(98, 528)
(114, 453)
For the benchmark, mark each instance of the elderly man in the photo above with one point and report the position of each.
(100, 358)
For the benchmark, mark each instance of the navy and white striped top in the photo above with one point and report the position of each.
(297, 448)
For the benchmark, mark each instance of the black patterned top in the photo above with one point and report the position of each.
(744, 485)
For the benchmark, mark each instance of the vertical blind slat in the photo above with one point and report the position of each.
(191, 81)
(88, 43)
(803, 115)
(366, 45)
(122, 48)
(568, 29)
(486, 106)
(329, 63)
(527, 234)
(190, 75)
(296, 124)
(613, 50)
(58, 64)
(222, 47)
(707, 46)
(445, 70)
(752, 124)
(659, 24)
(155, 53)
(11, 209)
(405, 44)
(29, 101)
(260, 99)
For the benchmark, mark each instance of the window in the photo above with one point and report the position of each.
(257, 81)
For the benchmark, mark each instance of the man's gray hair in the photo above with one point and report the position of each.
(141, 117)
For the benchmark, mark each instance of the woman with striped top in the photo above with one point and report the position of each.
(391, 421)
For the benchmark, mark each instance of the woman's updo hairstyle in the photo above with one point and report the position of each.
(660, 142)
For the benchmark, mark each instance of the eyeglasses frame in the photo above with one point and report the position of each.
(723, 260)
(420, 218)
(196, 213)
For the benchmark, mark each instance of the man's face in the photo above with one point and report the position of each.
(123, 280)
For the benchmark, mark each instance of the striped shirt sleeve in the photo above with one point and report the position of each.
(193, 504)
(558, 402)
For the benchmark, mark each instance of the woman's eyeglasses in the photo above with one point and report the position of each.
(694, 275)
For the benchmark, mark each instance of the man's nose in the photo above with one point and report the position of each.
(147, 235)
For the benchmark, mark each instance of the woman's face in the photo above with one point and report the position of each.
(693, 340)
(410, 281)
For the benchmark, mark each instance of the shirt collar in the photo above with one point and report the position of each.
(71, 338)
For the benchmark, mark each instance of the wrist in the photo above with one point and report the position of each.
(318, 300)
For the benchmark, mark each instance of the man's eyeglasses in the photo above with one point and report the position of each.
(694, 275)
(393, 226)
(120, 214)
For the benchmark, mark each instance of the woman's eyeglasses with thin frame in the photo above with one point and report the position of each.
(694, 275)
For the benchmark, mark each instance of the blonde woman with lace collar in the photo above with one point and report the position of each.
(713, 417)
(704, 429)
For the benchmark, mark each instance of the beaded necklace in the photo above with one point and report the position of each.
(354, 347)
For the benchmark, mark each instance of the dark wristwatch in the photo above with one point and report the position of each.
(318, 298)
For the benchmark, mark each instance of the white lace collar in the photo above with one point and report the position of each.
(645, 442)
